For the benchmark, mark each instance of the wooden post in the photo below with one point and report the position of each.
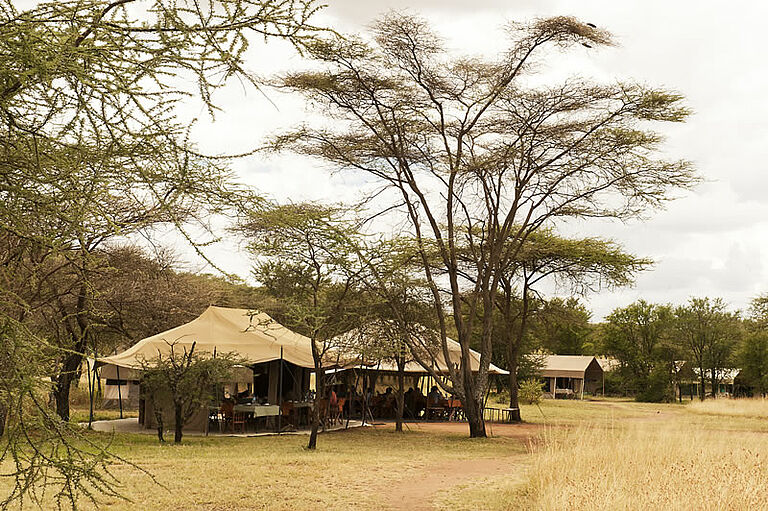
(554, 389)
(583, 381)
(119, 393)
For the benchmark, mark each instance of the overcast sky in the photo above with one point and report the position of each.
(709, 242)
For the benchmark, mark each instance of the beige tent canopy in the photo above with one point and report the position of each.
(575, 373)
(438, 363)
(252, 335)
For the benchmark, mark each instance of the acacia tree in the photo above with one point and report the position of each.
(475, 161)
(708, 332)
(92, 149)
(752, 356)
(580, 265)
(562, 325)
(186, 379)
(307, 263)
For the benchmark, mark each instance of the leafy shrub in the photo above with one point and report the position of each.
(530, 391)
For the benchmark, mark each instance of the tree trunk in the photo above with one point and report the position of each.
(3, 414)
(400, 395)
(702, 380)
(63, 385)
(159, 420)
(514, 402)
(474, 417)
(179, 424)
(473, 408)
(319, 395)
(513, 352)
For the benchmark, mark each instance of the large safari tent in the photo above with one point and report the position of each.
(278, 361)
(277, 369)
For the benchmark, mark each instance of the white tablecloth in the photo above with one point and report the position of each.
(259, 410)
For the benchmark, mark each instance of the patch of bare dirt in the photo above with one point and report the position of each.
(421, 490)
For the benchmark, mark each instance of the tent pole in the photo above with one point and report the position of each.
(280, 395)
(119, 393)
(583, 381)
(90, 392)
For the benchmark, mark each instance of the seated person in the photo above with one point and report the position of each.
(434, 397)
(244, 397)
(389, 403)
(419, 403)
(408, 403)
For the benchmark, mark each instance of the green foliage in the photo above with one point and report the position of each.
(657, 388)
(43, 456)
(708, 333)
(531, 391)
(562, 326)
(752, 358)
(185, 378)
(636, 336)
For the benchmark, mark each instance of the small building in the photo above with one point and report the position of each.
(571, 376)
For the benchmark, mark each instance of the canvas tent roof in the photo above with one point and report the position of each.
(253, 336)
(568, 366)
(439, 364)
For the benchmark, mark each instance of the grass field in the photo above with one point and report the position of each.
(570, 455)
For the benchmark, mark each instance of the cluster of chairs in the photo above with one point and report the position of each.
(227, 419)
(329, 415)
(445, 409)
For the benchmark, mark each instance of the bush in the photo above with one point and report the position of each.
(530, 391)
(657, 389)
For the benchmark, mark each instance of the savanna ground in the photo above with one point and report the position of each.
(569, 455)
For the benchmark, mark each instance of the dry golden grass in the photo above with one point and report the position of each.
(755, 407)
(671, 461)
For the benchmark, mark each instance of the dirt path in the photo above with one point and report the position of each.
(420, 491)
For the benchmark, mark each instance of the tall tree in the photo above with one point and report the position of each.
(563, 326)
(476, 161)
(752, 357)
(635, 335)
(708, 332)
(306, 260)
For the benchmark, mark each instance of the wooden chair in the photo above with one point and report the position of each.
(435, 410)
(238, 419)
(337, 414)
(456, 410)
(287, 414)
(227, 410)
